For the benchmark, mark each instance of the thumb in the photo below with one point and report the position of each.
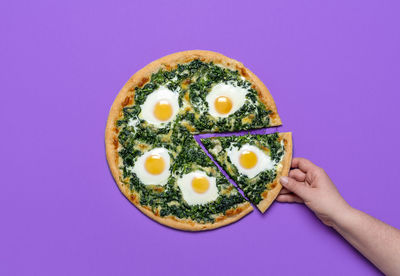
(296, 187)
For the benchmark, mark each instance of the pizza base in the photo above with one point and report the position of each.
(286, 162)
(126, 97)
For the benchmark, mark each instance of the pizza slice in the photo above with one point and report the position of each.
(254, 162)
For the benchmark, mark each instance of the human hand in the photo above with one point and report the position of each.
(309, 184)
(376, 240)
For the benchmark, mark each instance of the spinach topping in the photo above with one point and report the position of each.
(170, 202)
(254, 187)
(192, 81)
(196, 79)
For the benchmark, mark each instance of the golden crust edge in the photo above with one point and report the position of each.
(189, 225)
(186, 224)
(264, 204)
(265, 97)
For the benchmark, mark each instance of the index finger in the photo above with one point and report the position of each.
(303, 164)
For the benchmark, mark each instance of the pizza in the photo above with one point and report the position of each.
(254, 162)
(150, 146)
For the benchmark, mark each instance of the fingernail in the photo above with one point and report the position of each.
(284, 180)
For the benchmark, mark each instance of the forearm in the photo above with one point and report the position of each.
(377, 241)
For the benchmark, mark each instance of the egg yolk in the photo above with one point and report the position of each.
(248, 159)
(200, 184)
(163, 110)
(154, 164)
(223, 105)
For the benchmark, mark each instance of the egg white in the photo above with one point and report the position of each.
(148, 178)
(162, 93)
(236, 94)
(264, 161)
(193, 198)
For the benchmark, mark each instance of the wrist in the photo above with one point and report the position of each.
(342, 216)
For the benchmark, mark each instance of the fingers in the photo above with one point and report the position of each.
(284, 191)
(297, 175)
(289, 198)
(299, 188)
(303, 164)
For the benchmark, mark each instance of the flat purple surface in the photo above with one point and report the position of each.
(333, 68)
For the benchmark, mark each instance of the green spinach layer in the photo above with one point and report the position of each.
(192, 81)
(252, 187)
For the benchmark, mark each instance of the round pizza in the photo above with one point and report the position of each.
(161, 168)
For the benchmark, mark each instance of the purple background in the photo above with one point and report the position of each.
(332, 67)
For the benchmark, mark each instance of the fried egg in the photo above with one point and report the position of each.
(225, 99)
(250, 160)
(198, 188)
(152, 168)
(160, 107)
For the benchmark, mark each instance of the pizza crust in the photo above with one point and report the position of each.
(186, 224)
(286, 162)
(189, 225)
(126, 97)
